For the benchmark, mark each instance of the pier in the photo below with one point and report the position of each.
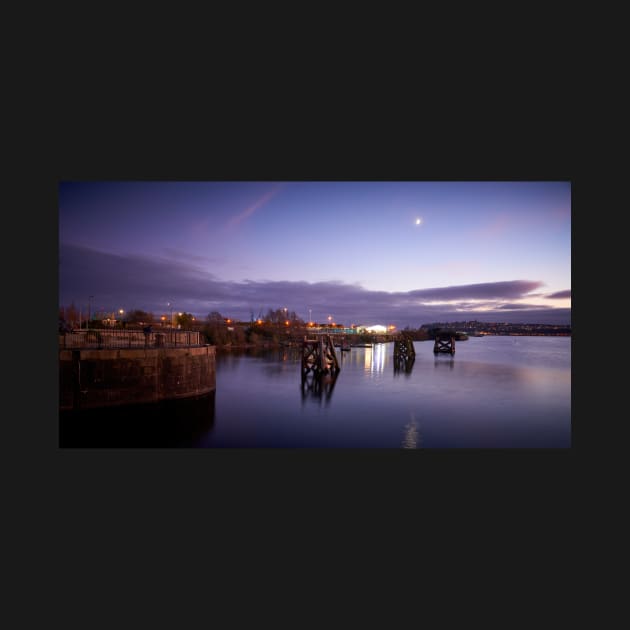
(319, 356)
(404, 354)
(444, 341)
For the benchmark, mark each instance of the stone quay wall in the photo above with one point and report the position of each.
(90, 378)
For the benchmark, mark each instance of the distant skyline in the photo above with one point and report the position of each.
(401, 253)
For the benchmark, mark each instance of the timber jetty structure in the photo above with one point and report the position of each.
(320, 366)
(444, 341)
(404, 354)
(319, 356)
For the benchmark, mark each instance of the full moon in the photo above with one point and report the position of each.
(418, 221)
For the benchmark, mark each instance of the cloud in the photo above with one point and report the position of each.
(516, 307)
(172, 252)
(134, 281)
(559, 295)
(259, 203)
(498, 226)
(131, 281)
(487, 290)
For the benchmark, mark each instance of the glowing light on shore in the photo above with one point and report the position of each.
(377, 328)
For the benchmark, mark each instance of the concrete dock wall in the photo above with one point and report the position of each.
(91, 378)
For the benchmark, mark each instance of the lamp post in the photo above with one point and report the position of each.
(170, 334)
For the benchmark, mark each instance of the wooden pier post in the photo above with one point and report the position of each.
(318, 355)
(444, 342)
(404, 354)
(403, 349)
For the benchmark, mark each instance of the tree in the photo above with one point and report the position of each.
(185, 320)
(215, 316)
(70, 314)
(137, 316)
(280, 315)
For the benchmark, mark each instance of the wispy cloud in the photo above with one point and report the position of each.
(497, 227)
(561, 214)
(515, 306)
(560, 295)
(487, 290)
(180, 254)
(259, 203)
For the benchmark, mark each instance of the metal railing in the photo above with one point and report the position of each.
(103, 339)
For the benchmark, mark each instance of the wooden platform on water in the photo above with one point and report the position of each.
(318, 355)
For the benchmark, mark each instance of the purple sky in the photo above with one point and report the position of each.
(402, 253)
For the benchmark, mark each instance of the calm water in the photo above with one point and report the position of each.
(495, 392)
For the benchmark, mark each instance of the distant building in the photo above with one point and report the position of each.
(377, 328)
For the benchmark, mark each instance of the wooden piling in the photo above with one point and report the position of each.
(318, 355)
(403, 348)
(404, 354)
(444, 342)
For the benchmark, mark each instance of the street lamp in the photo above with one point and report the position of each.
(89, 310)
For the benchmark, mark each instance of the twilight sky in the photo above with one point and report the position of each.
(402, 253)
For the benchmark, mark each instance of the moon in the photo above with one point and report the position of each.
(418, 221)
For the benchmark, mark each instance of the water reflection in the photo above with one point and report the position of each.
(375, 358)
(502, 395)
(444, 360)
(403, 365)
(412, 437)
(170, 423)
(291, 354)
(318, 387)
